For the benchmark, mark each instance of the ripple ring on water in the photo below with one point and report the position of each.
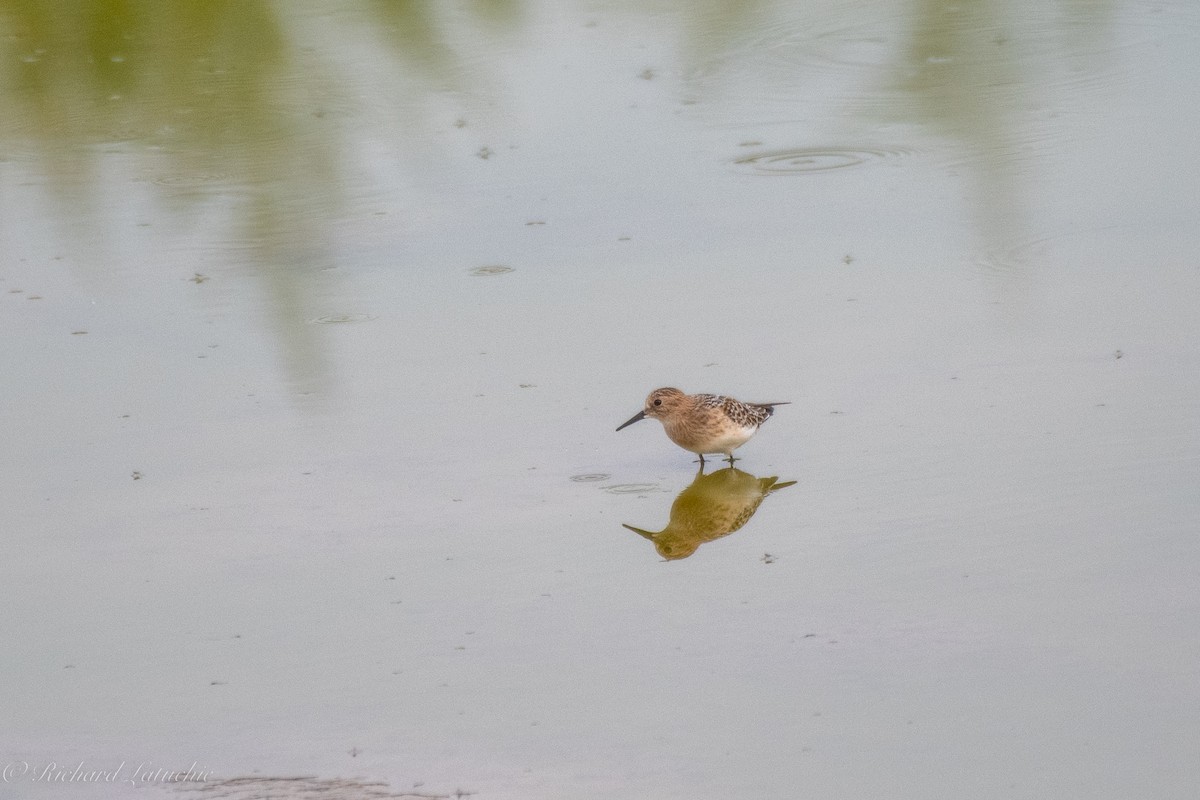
(633, 488)
(590, 477)
(492, 269)
(812, 159)
(191, 180)
(338, 319)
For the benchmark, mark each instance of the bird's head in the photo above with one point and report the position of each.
(660, 404)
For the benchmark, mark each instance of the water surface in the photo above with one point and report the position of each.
(317, 320)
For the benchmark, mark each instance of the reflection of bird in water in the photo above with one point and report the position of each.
(715, 505)
(705, 423)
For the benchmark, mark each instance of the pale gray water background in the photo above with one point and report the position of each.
(293, 487)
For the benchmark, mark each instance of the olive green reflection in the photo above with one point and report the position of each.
(196, 105)
(713, 506)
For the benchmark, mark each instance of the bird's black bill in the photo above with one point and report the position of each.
(638, 417)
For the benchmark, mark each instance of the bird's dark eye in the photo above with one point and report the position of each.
(658, 402)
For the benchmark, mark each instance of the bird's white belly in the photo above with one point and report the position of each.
(729, 441)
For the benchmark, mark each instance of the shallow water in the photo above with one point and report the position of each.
(318, 319)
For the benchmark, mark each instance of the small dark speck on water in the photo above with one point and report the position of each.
(198, 278)
(1119, 354)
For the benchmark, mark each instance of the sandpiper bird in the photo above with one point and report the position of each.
(705, 423)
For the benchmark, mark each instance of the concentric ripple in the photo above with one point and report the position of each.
(1040, 251)
(804, 160)
(1015, 257)
(590, 477)
(340, 319)
(633, 488)
(491, 269)
(187, 181)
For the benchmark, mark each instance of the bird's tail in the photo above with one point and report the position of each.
(770, 407)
